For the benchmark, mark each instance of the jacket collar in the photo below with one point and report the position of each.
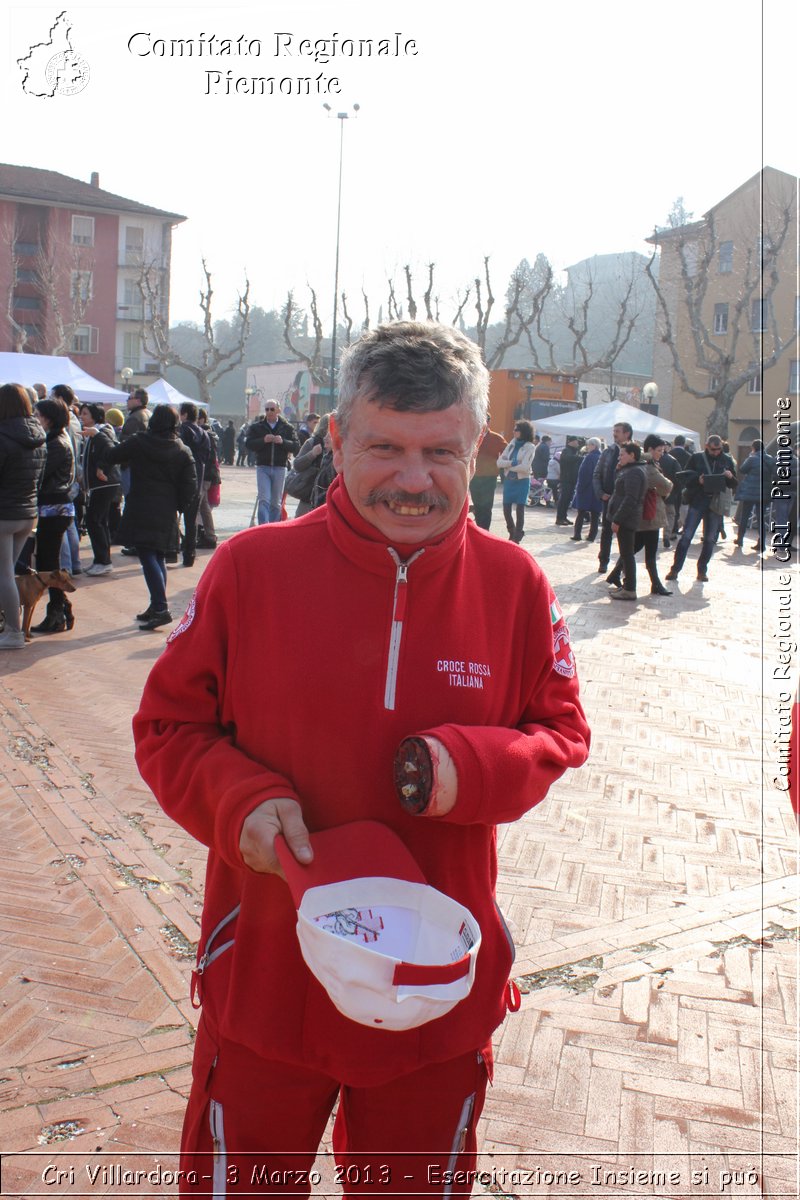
(368, 548)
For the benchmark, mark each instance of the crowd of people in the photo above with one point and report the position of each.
(641, 496)
(69, 468)
(471, 710)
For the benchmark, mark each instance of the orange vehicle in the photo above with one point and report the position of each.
(517, 393)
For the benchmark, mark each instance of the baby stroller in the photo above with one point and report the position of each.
(540, 494)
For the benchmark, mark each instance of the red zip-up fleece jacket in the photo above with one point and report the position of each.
(461, 640)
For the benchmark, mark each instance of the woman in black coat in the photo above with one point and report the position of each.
(56, 508)
(163, 483)
(22, 456)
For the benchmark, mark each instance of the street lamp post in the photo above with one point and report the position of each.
(341, 117)
(650, 392)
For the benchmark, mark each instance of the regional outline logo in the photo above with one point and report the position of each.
(54, 68)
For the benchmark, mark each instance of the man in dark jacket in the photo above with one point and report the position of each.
(135, 422)
(707, 503)
(541, 457)
(137, 417)
(680, 452)
(570, 462)
(625, 514)
(272, 440)
(755, 475)
(670, 466)
(198, 441)
(603, 480)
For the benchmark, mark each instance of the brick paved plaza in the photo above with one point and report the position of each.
(653, 899)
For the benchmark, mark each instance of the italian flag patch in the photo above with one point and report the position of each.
(556, 614)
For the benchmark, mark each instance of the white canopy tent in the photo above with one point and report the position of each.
(162, 392)
(599, 420)
(51, 369)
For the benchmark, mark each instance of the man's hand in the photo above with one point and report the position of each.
(102, 476)
(615, 528)
(262, 826)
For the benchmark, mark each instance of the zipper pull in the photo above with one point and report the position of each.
(401, 592)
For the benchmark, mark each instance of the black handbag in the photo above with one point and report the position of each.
(300, 484)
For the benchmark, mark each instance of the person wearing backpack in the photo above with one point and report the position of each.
(657, 488)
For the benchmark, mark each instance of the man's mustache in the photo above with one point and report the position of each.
(415, 500)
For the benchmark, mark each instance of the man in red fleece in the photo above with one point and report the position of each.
(445, 701)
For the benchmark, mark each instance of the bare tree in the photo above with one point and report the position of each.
(314, 360)
(572, 330)
(525, 301)
(19, 336)
(60, 277)
(64, 284)
(395, 312)
(214, 361)
(749, 348)
(348, 321)
(579, 325)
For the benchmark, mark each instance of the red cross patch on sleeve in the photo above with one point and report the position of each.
(563, 658)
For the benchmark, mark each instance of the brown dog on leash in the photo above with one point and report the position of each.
(31, 588)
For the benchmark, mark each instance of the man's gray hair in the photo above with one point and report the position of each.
(414, 366)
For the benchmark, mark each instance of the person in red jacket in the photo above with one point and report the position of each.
(445, 701)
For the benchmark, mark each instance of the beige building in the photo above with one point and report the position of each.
(729, 306)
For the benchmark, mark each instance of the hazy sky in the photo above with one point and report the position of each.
(505, 130)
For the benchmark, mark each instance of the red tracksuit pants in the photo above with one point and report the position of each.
(253, 1126)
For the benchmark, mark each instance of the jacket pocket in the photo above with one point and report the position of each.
(214, 947)
(512, 948)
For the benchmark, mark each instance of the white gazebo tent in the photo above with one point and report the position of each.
(51, 369)
(162, 392)
(599, 420)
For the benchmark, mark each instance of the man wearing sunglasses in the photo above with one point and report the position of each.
(272, 440)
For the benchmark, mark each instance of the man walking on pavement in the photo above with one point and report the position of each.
(604, 480)
(272, 440)
(713, 474)
(445, 714)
